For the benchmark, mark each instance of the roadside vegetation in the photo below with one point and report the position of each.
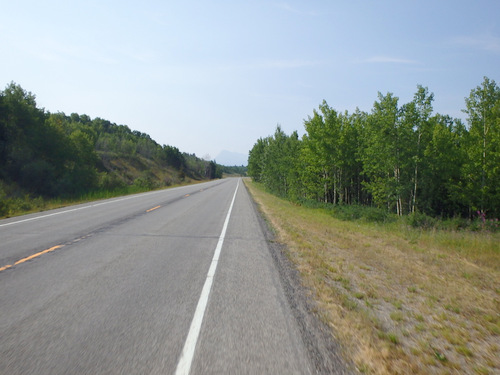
(403, 158)
(52, 159)
(401, 298)
(391, 217)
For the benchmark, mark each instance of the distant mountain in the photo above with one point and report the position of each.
(229, 158)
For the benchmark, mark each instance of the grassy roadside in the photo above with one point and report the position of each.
(400, 300)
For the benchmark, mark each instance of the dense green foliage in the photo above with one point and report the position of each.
(55, 155)
(402, 158)
(235, 170)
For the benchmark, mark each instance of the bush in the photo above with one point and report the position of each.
(364, 213)
(456, 223)
(4, 207)
(420, 220)
(110, 181)
(348, 213)
(482, 222)
(39, 176)
(378, 215)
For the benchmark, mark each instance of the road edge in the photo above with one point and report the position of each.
(323, 351)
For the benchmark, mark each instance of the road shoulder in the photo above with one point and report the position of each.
(324, 352)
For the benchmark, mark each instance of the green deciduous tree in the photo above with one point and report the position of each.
(275, 163)
(382, 154)
(443, 192)
(400, 157)
(416, 127)
(256, 159)
(483, 149)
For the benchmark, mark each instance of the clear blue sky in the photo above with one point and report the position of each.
(207, 76)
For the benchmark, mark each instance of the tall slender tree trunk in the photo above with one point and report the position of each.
(334, 189)
(415, 189)
(399, 203)
(483, 164)
(325, 186)
(416, 173)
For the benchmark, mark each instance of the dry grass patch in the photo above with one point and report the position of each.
(400, 302)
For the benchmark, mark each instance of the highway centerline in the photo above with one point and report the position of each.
(10, 265)
(186, 359)
(75, 209)
(107, 201)
(31, 257)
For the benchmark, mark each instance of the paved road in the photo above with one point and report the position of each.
(115, 287)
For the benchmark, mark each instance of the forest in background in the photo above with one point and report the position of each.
(403, 159)
(46, 155)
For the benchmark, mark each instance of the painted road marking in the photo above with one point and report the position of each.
(90, 206)
(38, 254)
(31, 257)
(186, 359)
(152, 209)
(65, 212)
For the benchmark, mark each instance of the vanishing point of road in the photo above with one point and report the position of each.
(176, 281)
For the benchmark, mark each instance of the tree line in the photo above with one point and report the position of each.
(55, 155)
(403, 158)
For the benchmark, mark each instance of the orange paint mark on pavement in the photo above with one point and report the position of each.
(30, 257)
(154, 208)
(37, 254)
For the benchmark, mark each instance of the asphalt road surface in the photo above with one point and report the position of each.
(175, 281)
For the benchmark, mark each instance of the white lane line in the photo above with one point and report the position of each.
(85, 207)
(186, 359)
(64, 212)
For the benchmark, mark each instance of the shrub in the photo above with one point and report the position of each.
(456, 223)
(481, 222)
(357, 212)
(4, 206)
(420, 220)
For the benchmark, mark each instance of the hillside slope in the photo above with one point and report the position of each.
(52, 155)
